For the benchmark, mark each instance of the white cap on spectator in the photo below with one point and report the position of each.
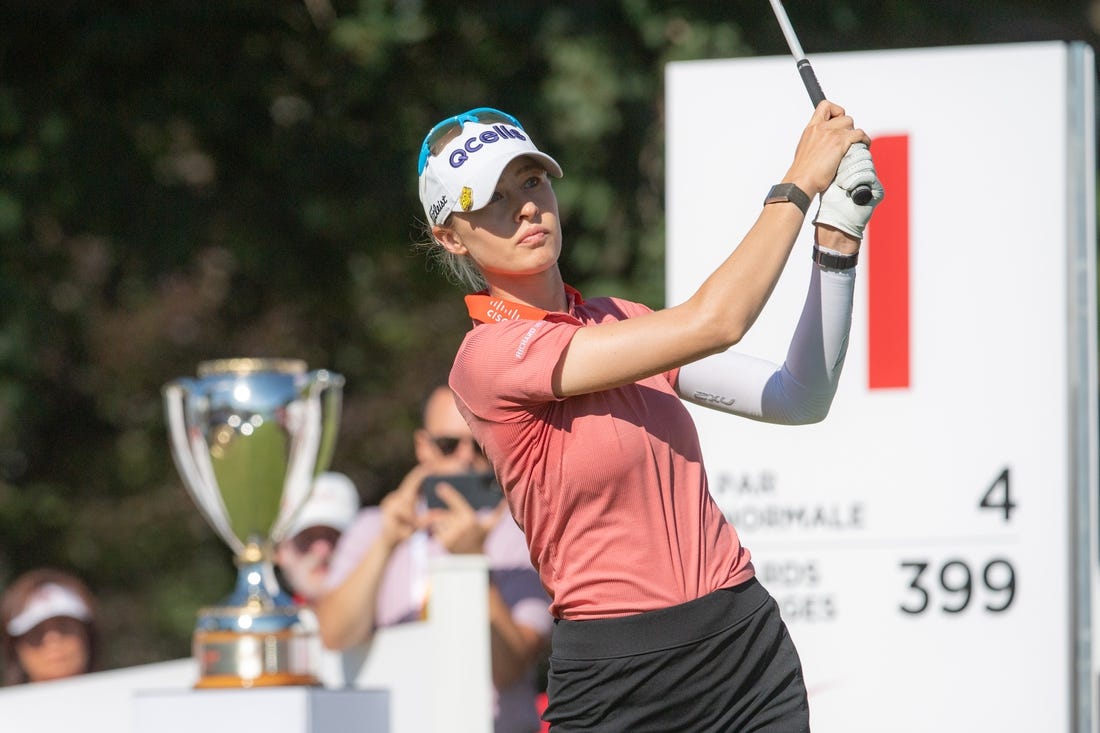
(49, 601)
(333, 502)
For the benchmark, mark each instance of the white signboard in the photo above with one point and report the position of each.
(929, 542)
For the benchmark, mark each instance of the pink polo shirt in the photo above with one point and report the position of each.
(609, 487)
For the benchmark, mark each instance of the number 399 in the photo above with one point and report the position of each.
(956, 585)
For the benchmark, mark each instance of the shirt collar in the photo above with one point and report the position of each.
(485, 308)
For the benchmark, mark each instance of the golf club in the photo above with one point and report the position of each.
(861, 194)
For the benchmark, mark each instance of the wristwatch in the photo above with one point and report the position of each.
(784, 192)
(834, 260)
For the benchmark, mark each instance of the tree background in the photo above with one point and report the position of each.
(183, 181)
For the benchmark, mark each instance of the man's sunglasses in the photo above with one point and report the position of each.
(445, 131)
(305, 539)
(447, 446)
(61, 624)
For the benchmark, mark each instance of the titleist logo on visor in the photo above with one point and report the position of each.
(477, 142)
(437, 207)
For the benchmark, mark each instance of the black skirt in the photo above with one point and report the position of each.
(723, 663)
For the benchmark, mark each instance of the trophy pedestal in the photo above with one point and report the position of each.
(236, 659)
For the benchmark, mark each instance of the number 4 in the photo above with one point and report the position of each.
(999, 495)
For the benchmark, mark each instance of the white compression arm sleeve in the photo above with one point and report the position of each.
(799, 391)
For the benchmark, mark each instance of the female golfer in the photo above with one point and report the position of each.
(659, 622)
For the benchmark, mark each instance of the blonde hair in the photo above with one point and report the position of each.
(459, 269)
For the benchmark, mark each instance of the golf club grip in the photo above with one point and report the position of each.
(861, 194)
(809, 79)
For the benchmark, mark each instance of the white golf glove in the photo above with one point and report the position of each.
(837, 209)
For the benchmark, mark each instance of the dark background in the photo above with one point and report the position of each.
(182, 181)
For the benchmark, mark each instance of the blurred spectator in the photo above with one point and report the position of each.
(379, 574)
(303, 558)
(47, 628)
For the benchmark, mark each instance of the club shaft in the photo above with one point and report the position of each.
(805, 70)
(861, 194)
(788, 30)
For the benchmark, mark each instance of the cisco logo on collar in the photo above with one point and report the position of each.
(473, 144)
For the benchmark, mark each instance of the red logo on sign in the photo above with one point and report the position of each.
(887, 244)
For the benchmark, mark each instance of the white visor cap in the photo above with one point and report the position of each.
(333, 502)
(49, 601)
(464, 175)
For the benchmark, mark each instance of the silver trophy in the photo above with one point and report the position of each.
(248, 437)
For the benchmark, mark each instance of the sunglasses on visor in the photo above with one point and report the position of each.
(444, 131)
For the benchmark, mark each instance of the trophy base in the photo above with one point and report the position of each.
(232, 682)
(242, 659)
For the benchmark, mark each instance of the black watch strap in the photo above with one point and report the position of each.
(784, 192)
(834, 261)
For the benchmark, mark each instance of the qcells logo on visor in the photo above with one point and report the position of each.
(473, 144)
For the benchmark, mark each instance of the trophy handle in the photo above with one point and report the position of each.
(331, 386)
(311, 446)
(199, 479)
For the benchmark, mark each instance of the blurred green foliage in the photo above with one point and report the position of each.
(183, 181)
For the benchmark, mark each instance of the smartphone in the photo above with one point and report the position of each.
(480, 488)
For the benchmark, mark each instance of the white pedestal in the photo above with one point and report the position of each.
(438, 671)
(461, 672)
(430, 676)
(270, 709)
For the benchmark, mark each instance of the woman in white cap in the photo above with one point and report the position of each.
(47, 628)
(660, 623)
(303, 558)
